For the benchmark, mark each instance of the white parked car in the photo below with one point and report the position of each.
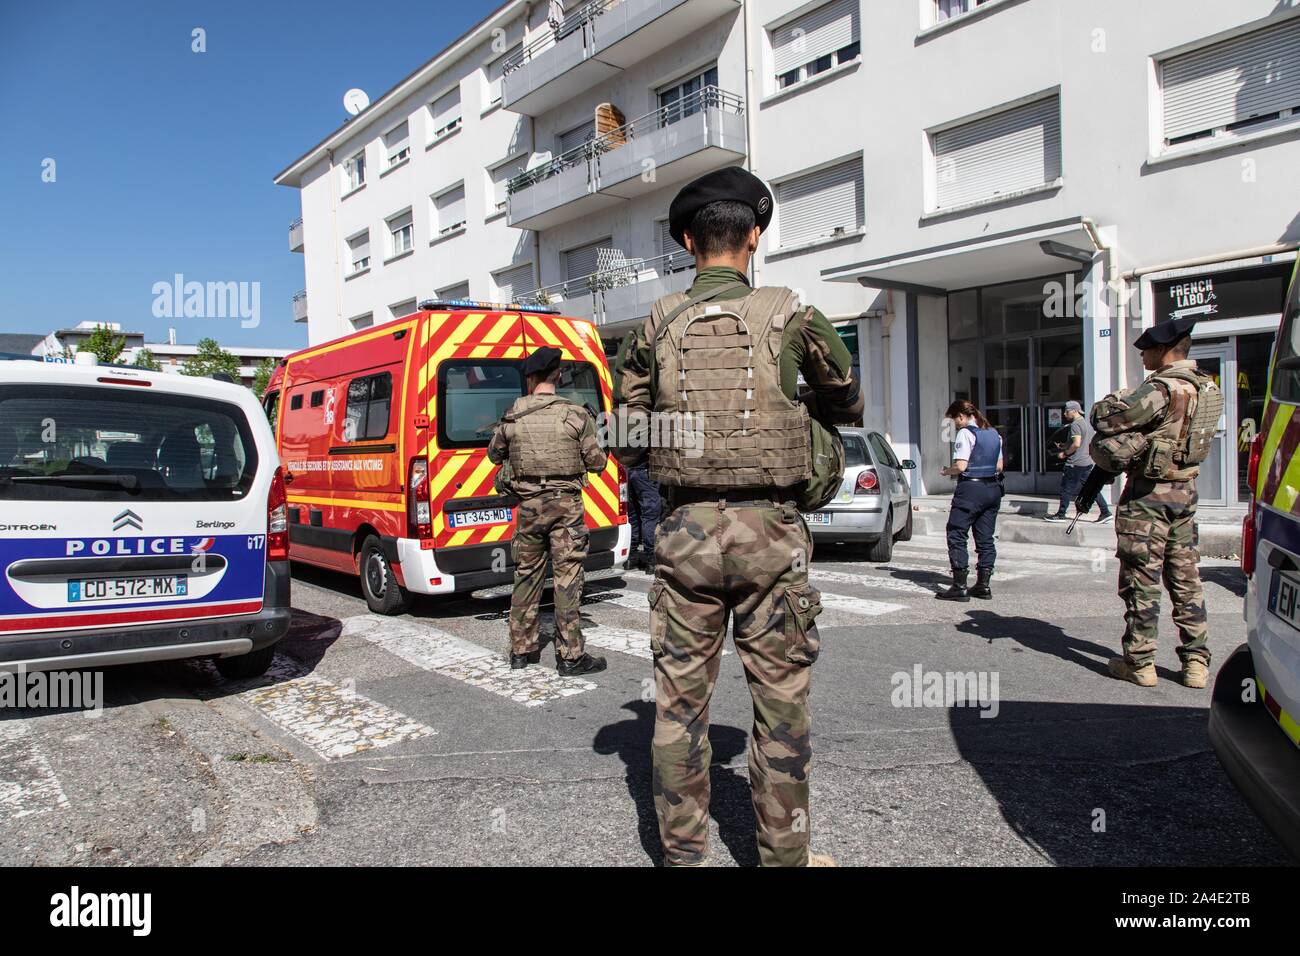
(874, 504)
(142, 517)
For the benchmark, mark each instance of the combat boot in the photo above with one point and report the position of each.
(821, 859)
(1144, 676)
(586, 664)
(1195, 673)
(957, 590)
(981, 589)
(520, 661)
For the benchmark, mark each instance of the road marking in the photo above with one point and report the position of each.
(610, 637)
(462, 660)
(28, 784)
(842, 603)
(870, 581)
(333, 721)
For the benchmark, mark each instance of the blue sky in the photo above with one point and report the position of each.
(163, 157)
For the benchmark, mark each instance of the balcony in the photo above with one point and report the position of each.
(595, 42)
(295, 235)
(672, 144)
(300, 306)
(622, 292)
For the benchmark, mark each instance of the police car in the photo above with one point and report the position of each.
(1255, 712)
(142, 518)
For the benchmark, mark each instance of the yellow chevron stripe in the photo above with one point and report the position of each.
(1271, 441)
(610, 498)
(468, 487)
(543, 332)
(460, 537)
(439, 481)
(495, 533)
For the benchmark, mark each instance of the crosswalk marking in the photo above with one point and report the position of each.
(331, 720)
(880, 581)
(462, 660)
(610, 637)
(28, 784)
(841, 603)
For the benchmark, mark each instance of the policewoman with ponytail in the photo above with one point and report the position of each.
(977, 466)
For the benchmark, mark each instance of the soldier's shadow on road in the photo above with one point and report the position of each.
(730, 803)
(1039, 636)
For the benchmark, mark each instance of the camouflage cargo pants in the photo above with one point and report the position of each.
(550, 524)
(749, 563)
(1155, 528)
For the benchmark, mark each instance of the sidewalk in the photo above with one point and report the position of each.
(1021, 516)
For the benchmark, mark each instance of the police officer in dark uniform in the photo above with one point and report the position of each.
(977, 466)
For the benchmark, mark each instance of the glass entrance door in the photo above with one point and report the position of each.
(1217, 483)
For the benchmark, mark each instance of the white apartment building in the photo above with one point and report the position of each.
(990, 198)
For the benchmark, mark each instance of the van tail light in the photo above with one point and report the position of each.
(419, 509)
(277, 520)
(1249, 539)
(867, 484)
(1252, 469)
(622, 489)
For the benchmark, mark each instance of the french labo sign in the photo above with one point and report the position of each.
(1232, 294)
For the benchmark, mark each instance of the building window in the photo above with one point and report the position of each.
(402, 309)
(449, 210)
(398, 143)
(945, 10)
(576, 137)
(512, 283)
(359, 250)
(401, 234)
(363, 321)
(369, 401)
(444, 115)
(499, 177)
(997, 156)
(458, 291)
(672, 256)
(685, 98)
(580, 264)
(354, 172)
(492, 74)
(1232, 87)
(820, 205)
(815, 42)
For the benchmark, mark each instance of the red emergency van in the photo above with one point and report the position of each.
(383, 435)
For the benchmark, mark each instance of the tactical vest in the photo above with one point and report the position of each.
(540, 446)
(983, 461)
(723, 419)
(1183, 439)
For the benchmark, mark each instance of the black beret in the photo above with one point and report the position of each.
(542, 361)
(1164, 333)
(734, 183)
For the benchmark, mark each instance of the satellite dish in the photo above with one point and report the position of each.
(354, 101)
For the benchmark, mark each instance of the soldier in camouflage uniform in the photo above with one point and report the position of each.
(733, 545)
(549, 444)
(1155, 523)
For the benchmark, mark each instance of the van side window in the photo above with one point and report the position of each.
(472, 397)
(318, 398)
(369, 402)
(1286, 368)
(295, 402)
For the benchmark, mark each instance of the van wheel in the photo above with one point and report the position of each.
(882, 549)
(379, 585)
(252, 664)
(906, 533)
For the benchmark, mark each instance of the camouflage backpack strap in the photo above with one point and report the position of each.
(680, 306)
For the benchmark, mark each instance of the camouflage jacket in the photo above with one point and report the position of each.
(580, 426)
(813, 348)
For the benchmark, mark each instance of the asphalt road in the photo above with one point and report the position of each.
(409, 741)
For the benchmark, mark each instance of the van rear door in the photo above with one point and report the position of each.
(126, 504)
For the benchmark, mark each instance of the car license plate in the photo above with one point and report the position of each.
(1283, 597)
(818, 517)
(127, 588)
(473, 519)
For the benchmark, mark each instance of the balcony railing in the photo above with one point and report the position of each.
(580, 19)
(295, 235)
(623, 273)
(300, 306)
(710, 97)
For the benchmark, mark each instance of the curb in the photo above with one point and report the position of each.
(1217, 540)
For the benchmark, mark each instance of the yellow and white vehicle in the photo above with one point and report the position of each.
(1255, 711)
